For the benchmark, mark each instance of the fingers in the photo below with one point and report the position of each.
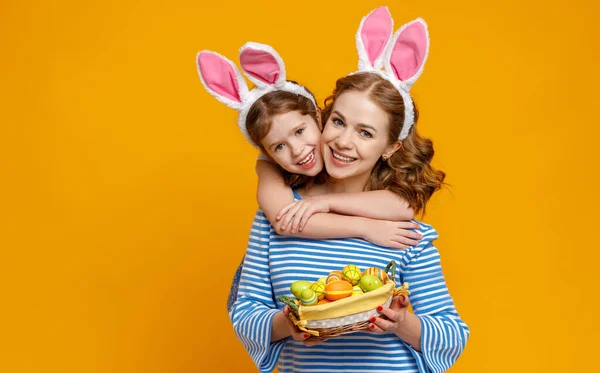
(290, 214)
(401, 301)
(408, 225)
(405, 240)
(284, 210)
(377, 326)
(295, 333)
(307, 214)
(298, 217)
(391, 314)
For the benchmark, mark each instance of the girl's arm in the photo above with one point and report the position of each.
(273, 194)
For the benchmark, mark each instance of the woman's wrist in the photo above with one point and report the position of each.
(409, 330)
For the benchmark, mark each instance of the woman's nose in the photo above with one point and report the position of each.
(343, 140)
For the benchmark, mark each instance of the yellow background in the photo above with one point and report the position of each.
(128, 192)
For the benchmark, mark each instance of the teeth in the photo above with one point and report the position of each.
(342, 158)
(308, 159)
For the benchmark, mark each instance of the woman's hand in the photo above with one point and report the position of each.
(298, 212)
(394, 234)
(395, 313)
(298, 334)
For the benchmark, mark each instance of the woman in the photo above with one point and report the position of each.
(369, 143)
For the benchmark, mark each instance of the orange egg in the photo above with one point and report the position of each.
(324, 301)
(335, 276)
(377, 272)
(337, 290)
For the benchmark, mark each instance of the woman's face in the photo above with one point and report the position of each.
(294, 143)
(354, 138)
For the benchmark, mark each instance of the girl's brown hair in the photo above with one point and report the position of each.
(408, 172)
(260, 118)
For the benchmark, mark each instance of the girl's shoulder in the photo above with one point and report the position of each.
(314, 190)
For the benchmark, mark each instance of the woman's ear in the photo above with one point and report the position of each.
(391, 150)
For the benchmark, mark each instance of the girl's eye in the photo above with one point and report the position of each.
(299, 132)
(337, 122)
(366, 134)
(279, 147)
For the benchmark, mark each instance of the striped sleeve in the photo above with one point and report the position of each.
(443, 333)
(253, 310)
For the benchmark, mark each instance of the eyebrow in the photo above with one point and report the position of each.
(359, 124)
(276, 142)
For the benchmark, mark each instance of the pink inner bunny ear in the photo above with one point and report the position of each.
(260, 64)
(375, 32)
(219, 76)
(409, 51)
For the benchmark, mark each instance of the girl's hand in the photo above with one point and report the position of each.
(298, 212)
(395, 313)
(297, 334)
(392, 234)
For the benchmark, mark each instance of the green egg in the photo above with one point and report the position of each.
(370, 283)
(308, 297)
(298, 286)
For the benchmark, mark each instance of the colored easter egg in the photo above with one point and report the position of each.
(370, 283)
(319, 289)
(338, 289)
(323, 280)
(334, 276)
(308, 297)
(351, 274)
(324, 301)
(298, 287)
(356, 290)
(376, 272)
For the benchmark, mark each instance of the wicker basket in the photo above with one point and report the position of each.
(344, 316)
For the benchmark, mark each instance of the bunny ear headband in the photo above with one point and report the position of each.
(260, 63)
(403, 55)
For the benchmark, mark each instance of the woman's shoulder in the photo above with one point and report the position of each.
(427, 231)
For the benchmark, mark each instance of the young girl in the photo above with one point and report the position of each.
(369, 142)
(281, 118)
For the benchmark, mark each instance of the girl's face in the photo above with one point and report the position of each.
(354, 138)
(294, 143)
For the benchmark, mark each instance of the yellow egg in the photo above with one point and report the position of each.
(319, 289)
(351, 274)
(357, 290)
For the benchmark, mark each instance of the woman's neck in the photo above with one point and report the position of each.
(349, 185)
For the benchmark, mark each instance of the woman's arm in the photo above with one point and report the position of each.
(435, 332)
(273, 194)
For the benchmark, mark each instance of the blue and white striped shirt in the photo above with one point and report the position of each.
(273, 262)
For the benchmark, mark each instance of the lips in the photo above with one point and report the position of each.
(341, 159)
(309, 161)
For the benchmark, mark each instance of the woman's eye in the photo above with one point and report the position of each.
(279, 147)
(299, 132)
(367, 134)
(337, 122)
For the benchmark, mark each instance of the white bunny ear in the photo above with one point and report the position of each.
(221, 78)
(372, 38)
(262, 64)
(408, 52)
